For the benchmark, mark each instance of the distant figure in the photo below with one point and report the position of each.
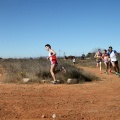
(98, 57)
(74, 60)
(113, 56)
(53, 60)
(105, 58)
(109, 62)
(83, 56)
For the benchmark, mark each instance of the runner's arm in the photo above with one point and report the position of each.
(95, 56)
(116, 53)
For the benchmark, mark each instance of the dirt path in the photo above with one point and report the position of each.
(98, 100)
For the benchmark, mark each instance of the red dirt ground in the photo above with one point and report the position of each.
(98, 100)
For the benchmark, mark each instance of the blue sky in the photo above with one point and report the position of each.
(70, 26)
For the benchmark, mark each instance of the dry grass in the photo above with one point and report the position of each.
(38, 69)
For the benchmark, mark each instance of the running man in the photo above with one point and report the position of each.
(53, 60)
(113, 56)
(98, 57)
(105, 58)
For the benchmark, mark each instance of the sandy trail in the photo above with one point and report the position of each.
(98, 100)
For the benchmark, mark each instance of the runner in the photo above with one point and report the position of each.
(113, 56)
(109, 62)
(105, 58)
(53, 60)
(98, 57)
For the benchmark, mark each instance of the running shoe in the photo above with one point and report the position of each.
(54, 82)
(118, 74)
(106, 72)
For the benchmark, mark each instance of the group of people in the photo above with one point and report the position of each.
(109, 57)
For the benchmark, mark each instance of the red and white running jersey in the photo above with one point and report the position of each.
(53, 58)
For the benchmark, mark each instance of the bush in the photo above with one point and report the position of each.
(38, 69)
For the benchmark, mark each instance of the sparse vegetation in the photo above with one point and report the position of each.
(38, 69)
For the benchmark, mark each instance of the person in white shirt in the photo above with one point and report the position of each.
(113, 56)
(74, 60)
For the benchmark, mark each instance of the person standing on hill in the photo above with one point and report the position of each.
(98, 57)
(53, 60)
(113, 56)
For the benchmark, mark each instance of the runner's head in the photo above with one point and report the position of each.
(99, 50)
(105, 51)
(48, 46)
(110, 48)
